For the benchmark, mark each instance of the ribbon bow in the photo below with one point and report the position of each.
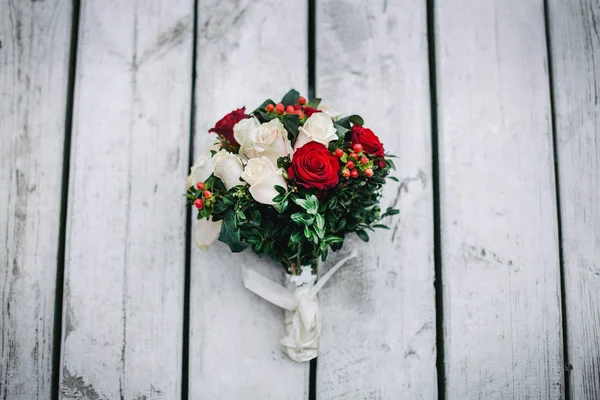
(302, 315)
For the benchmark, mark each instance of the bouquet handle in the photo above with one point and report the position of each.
(299, 299)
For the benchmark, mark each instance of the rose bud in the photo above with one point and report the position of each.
(290, 109)
(346, 173)
(357, 147)
(354, 173)
(339, 153)
(279, 108)
(364, 160)
(369, 172)
(350, 164)
(199, 203)
(200, 185)
(207, 194)
(302, 101)
(270, 107)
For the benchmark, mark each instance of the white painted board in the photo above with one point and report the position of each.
(34, 61)
(378, 338)
(575, 46)
(500, 262)
(124, 279)
(247, 51)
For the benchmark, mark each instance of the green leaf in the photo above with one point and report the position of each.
(263, 117)
(290, 98)
(382, 226)
(356, 120)
(228, 200)
(230, 235)
(340, 130)
(393, 178)
(291, 123)
(345, 122)
(302, 218)
(314, 103)
(255, 220)
(240, 214)
(334, 239)
(310, 204)
(320, 225)
(364, 236)
(297, 237)
(280, 189)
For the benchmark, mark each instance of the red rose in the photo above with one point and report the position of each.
(313, 166)
(225, 126)
(310, 111)
(369, 141)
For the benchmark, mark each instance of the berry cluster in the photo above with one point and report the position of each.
(355, 161)
(280, 109)
(207, 196)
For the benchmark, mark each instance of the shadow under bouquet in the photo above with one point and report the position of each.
(290, 180)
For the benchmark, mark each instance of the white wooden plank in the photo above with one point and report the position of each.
(122, 326)
(34, 57)
(501, 287)
(575, 46)
(378, 339)
(248, 51)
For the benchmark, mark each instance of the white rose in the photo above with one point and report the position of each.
(228, 167)
(318, 128)
(206, 232)
(200, 171)
(330, 111)
(243, 128)
(263, 176)
(267, 140)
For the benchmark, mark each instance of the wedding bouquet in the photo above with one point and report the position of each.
(290, 180)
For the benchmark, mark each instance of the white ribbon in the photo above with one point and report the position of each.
(302, 315)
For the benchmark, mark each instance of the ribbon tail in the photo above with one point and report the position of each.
(321, 282)
(268, 290)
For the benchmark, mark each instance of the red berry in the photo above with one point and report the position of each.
(346, 173)
(199, 203)
(350, 164)
(200, 185)
(270, 107)
(339, 153)
(302, 101)
(279, 108)
(207, 194)
(357, 147)
(353, 155)
(369, 172)
(381, 164)
(299, 113)
(364, 160)
(290, 109)
(354, 173)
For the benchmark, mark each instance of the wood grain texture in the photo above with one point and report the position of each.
(123, 311)
(378, 339)
(501, 286)
(575, 48)
(247, 51)
(34, 58)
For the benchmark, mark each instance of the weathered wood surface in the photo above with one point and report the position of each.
(378, 339)
(247, 51)
(575, 48)
(502, 317)
(34, 56)
(123, 311)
